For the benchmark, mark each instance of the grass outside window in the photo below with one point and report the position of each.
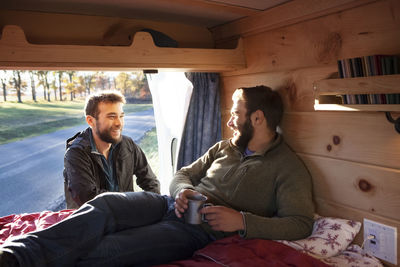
(21, 120)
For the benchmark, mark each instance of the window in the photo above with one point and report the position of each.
(39, 110)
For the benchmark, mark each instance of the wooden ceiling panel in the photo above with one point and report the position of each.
(253, 4)
(207, 13)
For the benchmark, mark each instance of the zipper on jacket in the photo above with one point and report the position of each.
(242, 173)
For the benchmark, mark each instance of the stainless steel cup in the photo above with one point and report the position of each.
(192, 214)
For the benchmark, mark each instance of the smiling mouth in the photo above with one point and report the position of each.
(116, 132)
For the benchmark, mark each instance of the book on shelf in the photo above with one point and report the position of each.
(369, 66)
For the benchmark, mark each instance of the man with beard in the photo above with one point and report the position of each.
(100, 159)
(258, 187)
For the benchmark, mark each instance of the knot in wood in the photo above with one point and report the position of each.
(364, 185)
(336, 139)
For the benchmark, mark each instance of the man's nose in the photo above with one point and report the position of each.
(230, 123)
(118, 121)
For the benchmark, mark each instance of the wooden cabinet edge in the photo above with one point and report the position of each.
(17, 53)
(358, 107)
(386, 84)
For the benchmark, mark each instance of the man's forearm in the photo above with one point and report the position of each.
(180, 181)
(152, 185)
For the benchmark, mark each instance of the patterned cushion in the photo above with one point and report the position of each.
(330, 236)
(353, 256)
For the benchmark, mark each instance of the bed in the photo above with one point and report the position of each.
(328, 245)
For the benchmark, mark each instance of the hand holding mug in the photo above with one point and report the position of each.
(181, 201)
(192, 214)
(222, 218)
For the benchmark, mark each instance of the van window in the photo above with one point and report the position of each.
(39, 110)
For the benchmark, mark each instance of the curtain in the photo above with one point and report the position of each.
(203, 121)
(171, 93)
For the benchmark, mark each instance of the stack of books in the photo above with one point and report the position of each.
(369, 66)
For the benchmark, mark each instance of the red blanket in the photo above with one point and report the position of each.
(18, 224)
(237, 252)
(232, 251)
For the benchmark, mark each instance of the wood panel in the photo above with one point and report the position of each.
(295, 87)
(68, 29)
(283, 15)
(327, 208)
(367, 30)
(365, 187)
(16, 52)
(354, 136)
(387, 84)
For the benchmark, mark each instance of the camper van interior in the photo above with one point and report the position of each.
(327, 59)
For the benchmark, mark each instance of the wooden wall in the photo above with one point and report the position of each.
(95, 30)
(354, 157)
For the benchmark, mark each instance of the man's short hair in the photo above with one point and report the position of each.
(265, 99)
(93, 100)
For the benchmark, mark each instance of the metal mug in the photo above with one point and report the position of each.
(192, 214)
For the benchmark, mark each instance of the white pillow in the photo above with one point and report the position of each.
(353, 256)
(330, 236)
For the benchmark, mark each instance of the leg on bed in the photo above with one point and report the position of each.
(165, 241)
(63, 243)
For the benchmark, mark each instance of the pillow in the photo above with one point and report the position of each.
(354, 255)
(329, 237)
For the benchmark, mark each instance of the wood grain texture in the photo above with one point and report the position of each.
(16, 52)
(363, 85)
(364, 138)
(367, 30)
(68, 29)
(357, 185)
(295, 86)
(294, 12)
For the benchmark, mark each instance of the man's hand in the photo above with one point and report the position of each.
(181, 201)
(221, 218)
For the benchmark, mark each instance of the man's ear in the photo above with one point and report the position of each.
(90, 120)
(257, 117)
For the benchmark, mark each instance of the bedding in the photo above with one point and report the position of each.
(329, 237)
(19, 224)
(235, 251)
(327, 246)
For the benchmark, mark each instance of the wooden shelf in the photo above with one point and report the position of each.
(383, 84)
(142, 54)
(358, 107)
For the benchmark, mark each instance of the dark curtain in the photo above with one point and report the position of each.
(203, 123)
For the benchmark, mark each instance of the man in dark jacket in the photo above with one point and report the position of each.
(100, 159)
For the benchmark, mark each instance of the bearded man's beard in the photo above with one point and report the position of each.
(105, 136)
(245, 134)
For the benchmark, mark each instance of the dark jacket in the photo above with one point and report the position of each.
(84, 177)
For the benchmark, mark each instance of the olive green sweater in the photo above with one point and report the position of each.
(271, 188)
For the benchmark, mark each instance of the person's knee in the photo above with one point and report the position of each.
(113, 195)
(101, 201)
(111, 198)
(112, 201)
(109, 195)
